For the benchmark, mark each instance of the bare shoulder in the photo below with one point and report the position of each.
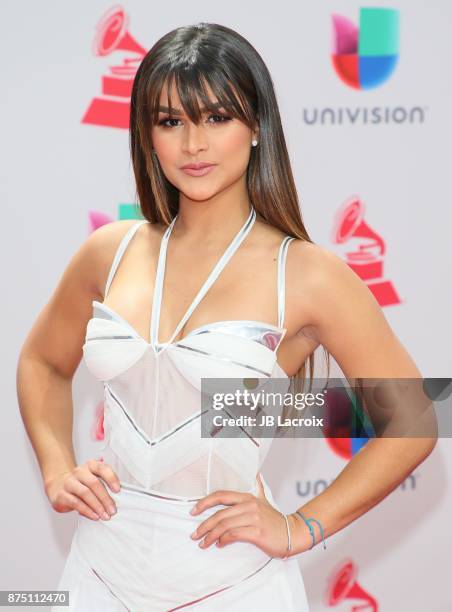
(315, 264)
(58, 332)
(321, 281)
(341, 313)
(102, 245)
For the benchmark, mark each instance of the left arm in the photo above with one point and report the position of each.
(350, 324)
(347, 320)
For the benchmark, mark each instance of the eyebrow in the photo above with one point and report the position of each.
(177, 111)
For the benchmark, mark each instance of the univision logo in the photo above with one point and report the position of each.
(364, 57)
(363, 115)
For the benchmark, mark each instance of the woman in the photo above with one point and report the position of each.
(205, 286)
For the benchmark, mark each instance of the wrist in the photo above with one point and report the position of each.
(300, 535)
(49, 479)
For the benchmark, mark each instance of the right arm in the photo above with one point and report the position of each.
(47, 362)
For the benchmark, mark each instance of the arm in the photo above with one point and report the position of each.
(50, 356)
(350, 324)
(335, 309)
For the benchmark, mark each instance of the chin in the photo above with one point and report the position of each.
(199, 195)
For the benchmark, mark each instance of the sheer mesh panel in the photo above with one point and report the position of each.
(153, 400)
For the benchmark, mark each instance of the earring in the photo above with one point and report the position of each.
(254, 143)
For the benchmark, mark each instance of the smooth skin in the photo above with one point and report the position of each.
(326, 304)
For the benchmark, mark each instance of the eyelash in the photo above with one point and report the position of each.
(163, 121)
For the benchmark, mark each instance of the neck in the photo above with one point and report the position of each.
(201, 221)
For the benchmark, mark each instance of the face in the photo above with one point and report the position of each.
(218, 139)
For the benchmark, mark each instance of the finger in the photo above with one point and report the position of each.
(103, 471)
(260, 487)
(224, 497)
(106, 472)
(81, 488)
(79, 506)
(261, 490)
(244, 519)
(95, 492)
(211, 522)
(239, 534)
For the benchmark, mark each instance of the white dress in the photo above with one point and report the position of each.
(143, 558)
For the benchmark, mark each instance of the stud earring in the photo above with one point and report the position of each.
(254, 143)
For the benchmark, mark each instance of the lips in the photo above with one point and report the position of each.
(198, 166)
(197, 169)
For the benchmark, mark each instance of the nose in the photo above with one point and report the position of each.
(194, 139)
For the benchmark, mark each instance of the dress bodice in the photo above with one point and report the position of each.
(155, 394)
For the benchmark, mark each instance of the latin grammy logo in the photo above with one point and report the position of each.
(113, 107)
(367, 260)
(343, 585)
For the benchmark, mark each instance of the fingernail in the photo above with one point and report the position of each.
(112, 509)
(105, 516)
(193, 510)
(193, 535)
(116, 487)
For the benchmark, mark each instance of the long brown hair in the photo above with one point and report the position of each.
(191, 56)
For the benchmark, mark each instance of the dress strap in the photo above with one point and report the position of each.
(158, 289)
(282, 279)
(120, 252)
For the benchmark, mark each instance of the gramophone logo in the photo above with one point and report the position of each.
(364, 57)
(367, 258)
(343, 585)
(112, 107)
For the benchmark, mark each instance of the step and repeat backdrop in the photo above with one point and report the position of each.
(365, 96)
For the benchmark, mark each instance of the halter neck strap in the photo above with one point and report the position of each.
(158, 289)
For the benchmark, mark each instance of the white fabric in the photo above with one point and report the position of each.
(153, 404)
(153, 399)
(144, 560)
(158, 288)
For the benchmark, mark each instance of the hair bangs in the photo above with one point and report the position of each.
(192, 85)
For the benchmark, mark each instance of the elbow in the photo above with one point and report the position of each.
(426, 447)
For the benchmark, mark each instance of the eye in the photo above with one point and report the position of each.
(223, 118)
(218, 119)
(163, 122)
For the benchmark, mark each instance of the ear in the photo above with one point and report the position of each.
(256, 131)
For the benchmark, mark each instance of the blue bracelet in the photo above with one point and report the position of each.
(311, 528)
